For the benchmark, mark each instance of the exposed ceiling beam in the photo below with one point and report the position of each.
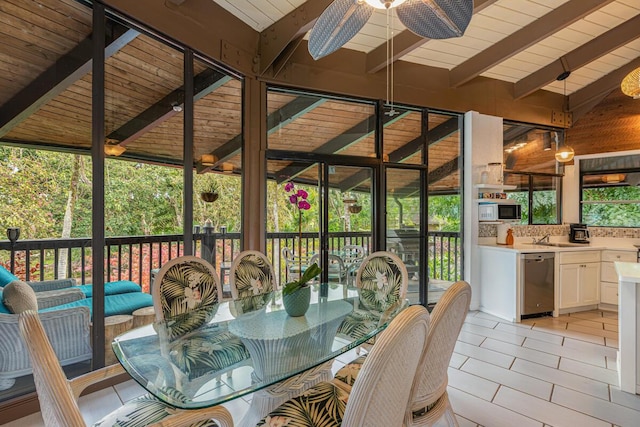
(275, 39)
(604, 85)
(204, 83)
(350, 136)
(406, 41)
(545, 26)
(588, 52)
(281, 117)
(578, 113)
(438, 133)
(514, 133)
(58, 77)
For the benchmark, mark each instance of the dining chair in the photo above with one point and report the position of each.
(335, 269)
(382, 282)
(188, 291)
(252, 281)
(58, 395)
(352, 257)
(430, 404)
(294, 263)
(380, 396)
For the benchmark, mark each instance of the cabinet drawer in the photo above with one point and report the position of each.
(578, 257)
(608, 272)
(624, 256)
(609, 293)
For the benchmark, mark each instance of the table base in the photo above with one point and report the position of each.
(268, 399)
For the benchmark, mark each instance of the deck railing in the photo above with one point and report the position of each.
(136, 257)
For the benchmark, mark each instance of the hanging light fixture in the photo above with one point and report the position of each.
(631, 84)
(227, 167)
(564, 153)
(613, 178)
(113, 148)
(208, 160)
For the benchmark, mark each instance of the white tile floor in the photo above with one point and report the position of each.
(542, 372)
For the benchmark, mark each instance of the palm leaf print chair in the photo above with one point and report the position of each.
(252, 280)
(380, 396)
(382, 283)
(430, 404)
(58, 396)
(188, 291)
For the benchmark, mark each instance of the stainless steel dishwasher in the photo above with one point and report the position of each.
(537, 284)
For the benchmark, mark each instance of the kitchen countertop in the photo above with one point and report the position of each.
(526, 247)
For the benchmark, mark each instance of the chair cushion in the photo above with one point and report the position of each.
(322, 405)
(113, 288)
(113, 304)
(142, 411)
(19, 296)
(349, 372)
(6, 277)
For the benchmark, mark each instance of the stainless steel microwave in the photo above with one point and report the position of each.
(499, 212)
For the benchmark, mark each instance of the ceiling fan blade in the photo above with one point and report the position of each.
(436, 19)
(339, 22)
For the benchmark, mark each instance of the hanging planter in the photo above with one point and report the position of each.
(209, 196)
(354, 209)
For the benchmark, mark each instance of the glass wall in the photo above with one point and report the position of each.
(47, 178)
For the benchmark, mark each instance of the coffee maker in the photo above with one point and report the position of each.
(578, 233)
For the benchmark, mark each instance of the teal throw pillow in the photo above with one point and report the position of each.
(6, 277)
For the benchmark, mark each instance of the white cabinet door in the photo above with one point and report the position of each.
(579, 284)
(589, 278)
(569, 285)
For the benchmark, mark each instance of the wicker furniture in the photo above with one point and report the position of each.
(58, 396)
(336, 269)
(429, 401)
(380, 396)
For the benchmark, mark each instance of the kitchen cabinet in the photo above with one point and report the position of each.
(579, 279)
(608, 275)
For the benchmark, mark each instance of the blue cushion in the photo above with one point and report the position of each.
(6, 277)
(3, 308)
(113, 288)
(113, 304)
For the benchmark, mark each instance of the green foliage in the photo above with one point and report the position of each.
(611, 214)
(311, 272)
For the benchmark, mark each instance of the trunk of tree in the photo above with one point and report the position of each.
(68, 214)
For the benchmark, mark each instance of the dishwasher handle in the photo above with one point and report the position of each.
(539, 257)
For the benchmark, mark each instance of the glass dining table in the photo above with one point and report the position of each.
(248, 345)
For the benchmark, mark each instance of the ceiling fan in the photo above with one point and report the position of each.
(342, 19)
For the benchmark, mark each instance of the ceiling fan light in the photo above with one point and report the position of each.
(631, 84)
(565, 154)
(384, 4)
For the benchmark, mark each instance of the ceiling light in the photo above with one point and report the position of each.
(631, 84)
(382, 4)
(613, 178)
(546, 141)
(227, 167)
(176, 107)
(114, 150)
(208, 160)
(565, 154)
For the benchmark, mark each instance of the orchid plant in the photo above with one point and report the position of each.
(298, 198)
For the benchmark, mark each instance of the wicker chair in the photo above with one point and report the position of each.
(382, 283)
(187, 289)
(68, 329)
(429, 401)
(58, 396)
(352, 258)
(252, 280)
(381, 394)
(336, 269)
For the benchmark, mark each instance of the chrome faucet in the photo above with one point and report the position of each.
(543, 239)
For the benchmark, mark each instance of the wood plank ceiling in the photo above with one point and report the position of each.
(45, 87)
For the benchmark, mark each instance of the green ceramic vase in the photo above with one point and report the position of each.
(297, 303)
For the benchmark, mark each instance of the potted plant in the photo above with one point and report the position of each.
(210, 194)
(297, 294)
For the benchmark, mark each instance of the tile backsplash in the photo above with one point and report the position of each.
(491, 230)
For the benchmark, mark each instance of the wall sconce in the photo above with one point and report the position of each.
(613, 178)
(208, 160)
(114, 150)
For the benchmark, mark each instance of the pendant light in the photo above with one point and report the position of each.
(564, 153)
(631, 84)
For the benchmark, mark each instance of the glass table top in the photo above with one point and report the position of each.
(237, 347)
